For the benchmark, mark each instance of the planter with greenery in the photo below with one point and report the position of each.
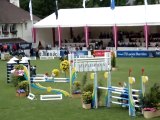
(150, 102)
(22, 89)
(86, 100)
(87, 95)
(19, 81)
(76, 88)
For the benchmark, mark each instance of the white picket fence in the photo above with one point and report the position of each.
(90, 63)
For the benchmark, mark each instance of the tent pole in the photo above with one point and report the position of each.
(146, 35)
(59, 36)
(53, 35)
(34, 35)
(115, 36)
(86, 35)
(146, 26)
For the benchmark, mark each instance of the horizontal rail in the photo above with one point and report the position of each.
(134, 90)
(51, 97)
(122, 98)
(104, 88)
(90, 58)
(114, 102)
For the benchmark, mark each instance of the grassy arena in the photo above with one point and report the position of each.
(14, 108)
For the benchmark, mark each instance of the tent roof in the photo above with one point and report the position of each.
(10, 13)
(121, 16)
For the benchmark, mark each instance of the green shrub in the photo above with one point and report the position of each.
(87, 97)
(16, 79)
(152, 98)
(84, 79)
(23, 85)
(88, 87)
(113, 60)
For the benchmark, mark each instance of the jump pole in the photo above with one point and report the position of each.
(144, 79)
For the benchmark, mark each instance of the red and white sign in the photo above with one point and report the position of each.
(99, 53)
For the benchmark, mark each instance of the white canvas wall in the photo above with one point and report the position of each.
(45, 36)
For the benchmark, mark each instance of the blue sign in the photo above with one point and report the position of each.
(157, 53)
(138, 54)
(76, 53)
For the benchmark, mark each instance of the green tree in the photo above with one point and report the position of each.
(43, 8)
(40, 8)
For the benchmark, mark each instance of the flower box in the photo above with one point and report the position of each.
(86, 100)
(21, 94)
(14, 32)
(5, 32)
(86, 106)
(151, 114)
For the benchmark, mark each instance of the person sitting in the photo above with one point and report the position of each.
(126, 98)
(124, 101)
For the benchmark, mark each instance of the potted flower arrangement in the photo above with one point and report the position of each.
(150, 102)
(17, 74)
(87, 95)
(5, 33)
(86, 99)
(76, 88)
(22, 89)
(19, 80)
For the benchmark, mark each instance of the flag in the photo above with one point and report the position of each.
(130, 2)
(112, 4)
(84, 3)
(145, 2)
(30, 10)
(56, 10)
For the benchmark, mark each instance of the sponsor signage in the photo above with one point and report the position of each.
(55, 53)
(76, 53)
(99, 53)
(25, 45)
(138, 54)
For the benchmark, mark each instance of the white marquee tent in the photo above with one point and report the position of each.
(121, 16)
(78, 18)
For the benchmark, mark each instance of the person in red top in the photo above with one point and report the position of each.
(5, 47)
(14, 47)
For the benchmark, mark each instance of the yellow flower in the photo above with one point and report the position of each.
(106, 75)
(144, 79)
(55, 72)
(64, 65)
(131, 80)
(49, 89)
(92, 76)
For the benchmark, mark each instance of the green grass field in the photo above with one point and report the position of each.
(15, 108)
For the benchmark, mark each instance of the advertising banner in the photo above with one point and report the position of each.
(55, 53)
(76, 53)
(138, 54)
(25, 45)
(99, 53)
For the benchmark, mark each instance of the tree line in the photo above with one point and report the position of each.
(43, 8)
